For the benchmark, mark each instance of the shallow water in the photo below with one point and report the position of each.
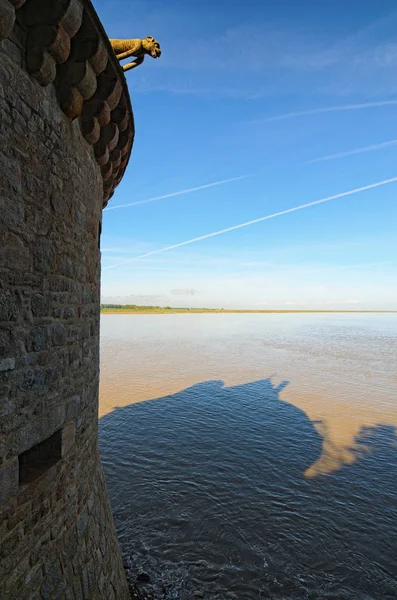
(253, 456)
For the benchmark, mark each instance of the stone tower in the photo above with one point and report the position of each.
(66, 133)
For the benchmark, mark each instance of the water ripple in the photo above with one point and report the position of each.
(264, 464)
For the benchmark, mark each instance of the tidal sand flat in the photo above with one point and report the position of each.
(253, 456)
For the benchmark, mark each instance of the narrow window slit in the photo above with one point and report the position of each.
(99, 234)
(37, 460)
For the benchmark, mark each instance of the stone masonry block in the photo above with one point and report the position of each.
(8, 480)
(68, 437)
(7, 364)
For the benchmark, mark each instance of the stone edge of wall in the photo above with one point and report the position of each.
(65, 45)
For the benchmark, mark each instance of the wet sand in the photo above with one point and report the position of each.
(341, 392)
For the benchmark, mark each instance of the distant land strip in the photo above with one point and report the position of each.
(134, 309)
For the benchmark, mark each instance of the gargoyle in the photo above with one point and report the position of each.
(138, 48)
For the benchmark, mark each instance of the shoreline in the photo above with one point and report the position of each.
(184, 311)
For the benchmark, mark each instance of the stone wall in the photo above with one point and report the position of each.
(57, 537)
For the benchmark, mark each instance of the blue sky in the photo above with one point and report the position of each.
(208, 110)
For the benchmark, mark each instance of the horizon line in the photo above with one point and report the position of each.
(105, 307)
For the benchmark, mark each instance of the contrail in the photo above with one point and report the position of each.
(327, 109)
(247, 223)
(279, 118)
(351, 152)
(180, 193)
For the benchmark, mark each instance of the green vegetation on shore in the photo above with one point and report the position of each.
(164, 310)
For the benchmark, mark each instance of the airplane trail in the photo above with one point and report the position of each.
(180, 193)
(351, 152)
(259, 220)
(340, 108)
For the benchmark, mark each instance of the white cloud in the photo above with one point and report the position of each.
(185, 292)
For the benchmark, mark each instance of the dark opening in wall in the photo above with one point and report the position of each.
(37, 460)
(99, 234)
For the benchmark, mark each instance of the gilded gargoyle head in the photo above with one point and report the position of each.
(152, 47)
